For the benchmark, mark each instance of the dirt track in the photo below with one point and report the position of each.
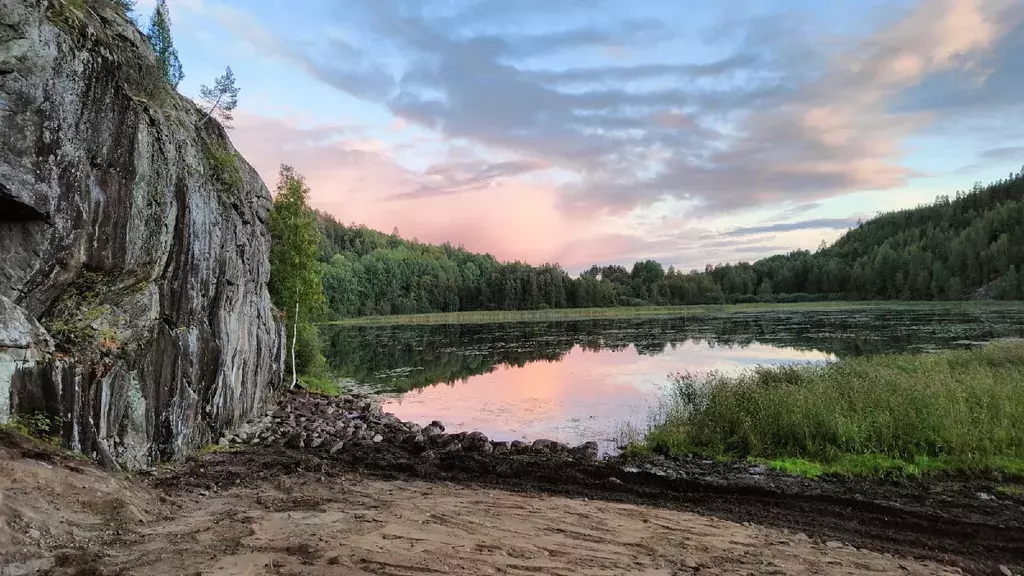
(275, 511)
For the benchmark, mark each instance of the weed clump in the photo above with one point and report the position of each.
(223, 168)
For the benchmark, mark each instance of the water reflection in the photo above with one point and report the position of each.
(586, 395)
(576, 381)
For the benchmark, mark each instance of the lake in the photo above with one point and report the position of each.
(575, 381)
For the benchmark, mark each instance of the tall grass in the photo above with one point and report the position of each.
(963, 406)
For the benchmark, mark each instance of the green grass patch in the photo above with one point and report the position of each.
(1010, 491)
(492, 317)
(958, 412)
(326, 385)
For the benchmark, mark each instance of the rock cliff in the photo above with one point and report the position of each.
(133, 245)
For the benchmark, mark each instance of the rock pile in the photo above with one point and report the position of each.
(310, 421)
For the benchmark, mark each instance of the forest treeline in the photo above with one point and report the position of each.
(968, 246)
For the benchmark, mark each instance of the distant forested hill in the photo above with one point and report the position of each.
(971, 246)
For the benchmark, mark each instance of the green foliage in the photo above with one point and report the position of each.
(224, 171)
(296, 278)
(126, 6)
(159, 35)
(71, 321)
(38, 425)
(220, 100)
(882, 415)
(326, 385)
(966, 248)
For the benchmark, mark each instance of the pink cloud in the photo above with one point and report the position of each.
(355, 180)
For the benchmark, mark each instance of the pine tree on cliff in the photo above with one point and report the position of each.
(221, 99)
(296, 278)
(160, 39)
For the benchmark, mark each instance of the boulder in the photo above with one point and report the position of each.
(544, 445)
(500, 447)
(437, 424)
(585, 451)
(476, 442)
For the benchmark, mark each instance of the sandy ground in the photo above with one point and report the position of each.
(61, 516)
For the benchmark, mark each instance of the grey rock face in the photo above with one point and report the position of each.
(136, 237)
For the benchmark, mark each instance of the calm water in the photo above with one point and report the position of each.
(584, 380)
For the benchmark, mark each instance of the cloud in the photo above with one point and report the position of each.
(820, 223)
(778, 120)
(554, 147)
(467, 176)
(1003, 153)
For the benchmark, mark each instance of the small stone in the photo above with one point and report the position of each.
(377, 438)
(984, 496)
(317, 441)
(243, 435)
(337, 447)
(834, 544)
(758, 470)
(34, 534)
(413, 439)
(296, 440)
(690, 563)
(223, 442)
(1006, 571)
(414, 427)
(280, 415)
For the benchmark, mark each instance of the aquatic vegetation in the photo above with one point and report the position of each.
(885, 415)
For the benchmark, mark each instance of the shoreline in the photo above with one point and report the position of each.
(641, 312)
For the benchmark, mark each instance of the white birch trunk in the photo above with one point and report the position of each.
(295, 337)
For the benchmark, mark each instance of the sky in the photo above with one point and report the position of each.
(608, 131)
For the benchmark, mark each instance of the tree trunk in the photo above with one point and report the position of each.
(210, 113)
(295, 337)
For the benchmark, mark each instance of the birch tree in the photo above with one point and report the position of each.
(296, 278)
